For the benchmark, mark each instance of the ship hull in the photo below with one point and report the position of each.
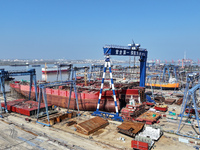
(168, 86)
(86, 100)
(88, 95)
(54, 70)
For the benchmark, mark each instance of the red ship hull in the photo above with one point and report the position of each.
(87, 98)
(54, 71)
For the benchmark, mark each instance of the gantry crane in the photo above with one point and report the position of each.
(42, 91)
(93, 70)
(130, 50)
(169, 70)
(5, 74)
(86, 69)
(59, 71)
(157, 79)
(190, 99)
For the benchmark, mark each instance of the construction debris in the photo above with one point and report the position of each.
(69, 123)
(91, 125)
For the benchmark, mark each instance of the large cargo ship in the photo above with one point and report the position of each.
(87, 95)
(19, 64)
(54, 69)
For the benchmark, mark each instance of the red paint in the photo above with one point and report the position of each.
(139, 145)
(130, 91)
(24, 107)
(87, 98)
(148, 103)
(161, 108)
(55, 92)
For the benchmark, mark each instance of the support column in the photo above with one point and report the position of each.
(142, 70)
(3, 91)
(102, 82)
(31, 82)
(113, 89)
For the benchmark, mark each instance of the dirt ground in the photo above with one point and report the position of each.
(107, 138)
(60, 136)
(169, 143)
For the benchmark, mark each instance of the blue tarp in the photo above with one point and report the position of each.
(149, 99)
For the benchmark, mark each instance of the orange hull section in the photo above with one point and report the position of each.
(164, 86)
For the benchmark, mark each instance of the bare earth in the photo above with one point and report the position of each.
(17, 134)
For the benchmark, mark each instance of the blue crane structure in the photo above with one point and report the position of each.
(190, 82)
(95, 68)
(86, 74)
(149, 80)
(85, 68)
(190, 99)
(168, 69)
(5, 74)
(130, 50)
(59, 71)
(42, 91)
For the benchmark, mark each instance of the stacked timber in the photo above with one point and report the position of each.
(91, 125)
(170, 101)
(130, 128)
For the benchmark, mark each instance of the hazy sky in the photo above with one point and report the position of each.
(78, 29)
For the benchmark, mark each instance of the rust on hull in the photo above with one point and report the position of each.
(87, 95)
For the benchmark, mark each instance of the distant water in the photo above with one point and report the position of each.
(39, 76)
(50, 77)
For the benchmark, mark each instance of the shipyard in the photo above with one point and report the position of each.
(99, 75)
(101, 105)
